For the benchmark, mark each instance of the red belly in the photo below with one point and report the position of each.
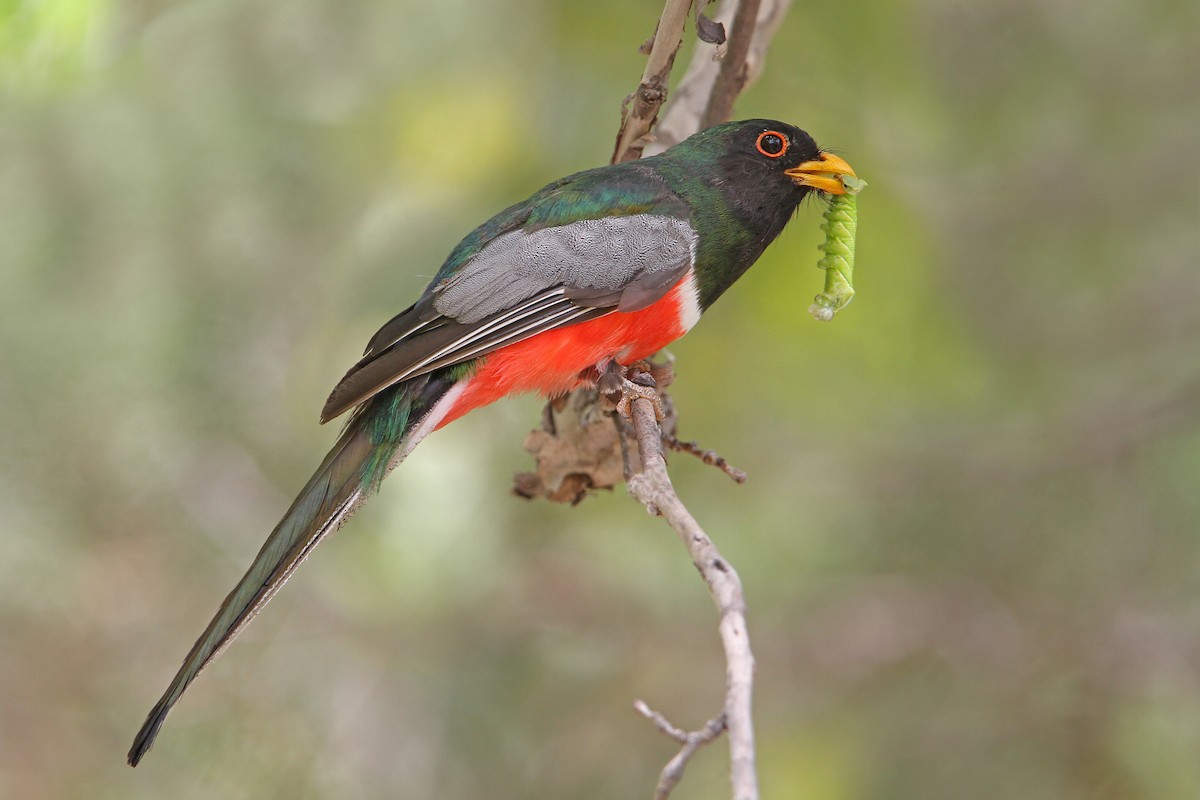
(551, 362)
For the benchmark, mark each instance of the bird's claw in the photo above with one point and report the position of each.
(622, 385)
(631, 391)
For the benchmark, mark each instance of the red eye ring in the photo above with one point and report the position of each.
(783, 144)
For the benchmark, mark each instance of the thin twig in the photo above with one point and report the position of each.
(652, 487)
(642, 107)
(732, 77)
(692, 741)
(680, 117)
(702, 90)
(623, 436)
(710, 457)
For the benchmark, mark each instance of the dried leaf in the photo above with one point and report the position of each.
(578, 451)
(710, 30)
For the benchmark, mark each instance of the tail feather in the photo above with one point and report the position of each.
(375, 440)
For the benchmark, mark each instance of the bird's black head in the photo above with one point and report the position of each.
(766, 154)
(763, 169)
(743, 181)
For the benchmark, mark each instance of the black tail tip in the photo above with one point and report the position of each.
(146, 736)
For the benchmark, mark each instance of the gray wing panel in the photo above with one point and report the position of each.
(446, 342)
(643, 253)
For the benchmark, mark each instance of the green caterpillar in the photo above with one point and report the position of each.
(841, 222)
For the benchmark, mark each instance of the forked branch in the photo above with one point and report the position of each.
(578, 453)
(652, 487)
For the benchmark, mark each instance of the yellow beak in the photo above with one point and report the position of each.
(824, 174)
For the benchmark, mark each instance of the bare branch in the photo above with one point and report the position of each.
(672, 773)
(680, 118)
(652, 487)
(733, 74)
(709, 457)
(642, 107)
(706, 93)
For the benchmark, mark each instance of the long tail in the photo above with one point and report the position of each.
(375, 440)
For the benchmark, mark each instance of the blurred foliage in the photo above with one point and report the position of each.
(970, 534)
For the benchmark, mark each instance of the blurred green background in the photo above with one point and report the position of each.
(970, 537)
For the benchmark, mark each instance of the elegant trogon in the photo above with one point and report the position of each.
(601, 267)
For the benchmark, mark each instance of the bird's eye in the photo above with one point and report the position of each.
(772, 144)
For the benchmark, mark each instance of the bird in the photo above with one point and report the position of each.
(596, 270)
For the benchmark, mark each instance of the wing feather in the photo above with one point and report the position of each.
(448, 342)
(519, 285)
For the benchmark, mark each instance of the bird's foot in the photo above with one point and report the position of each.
(632, 391)
(620, 386)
